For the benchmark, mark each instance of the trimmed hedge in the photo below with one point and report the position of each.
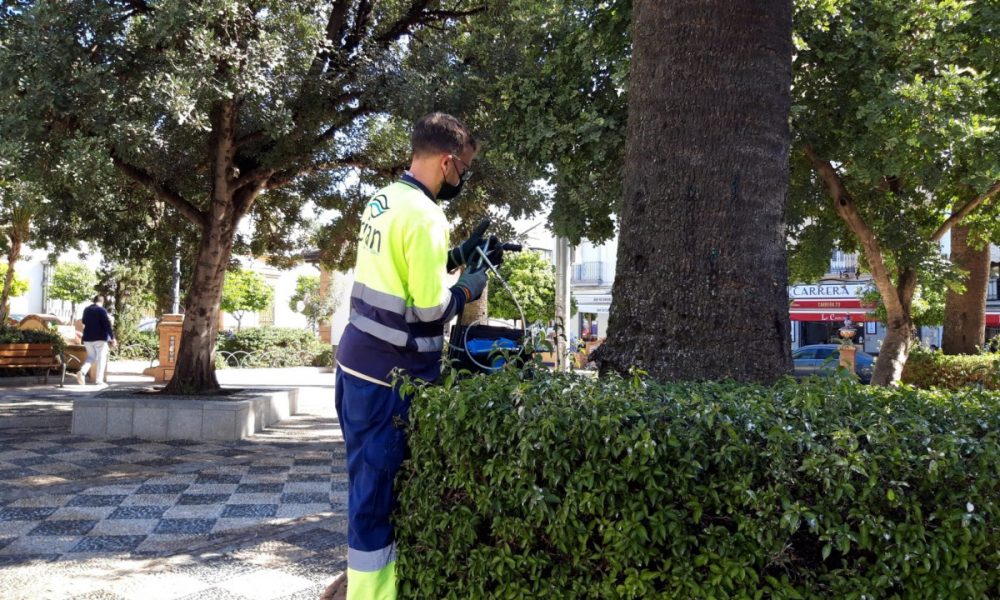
(11, 335)
(274, 346)
(567, 487)
(927, 369)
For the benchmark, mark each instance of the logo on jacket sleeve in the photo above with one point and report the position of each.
(378, 205)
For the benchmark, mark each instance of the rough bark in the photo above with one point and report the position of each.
(195, 368)
(701, 287)
(965, 313)
(899, 329)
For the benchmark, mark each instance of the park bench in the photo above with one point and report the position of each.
(31, 356)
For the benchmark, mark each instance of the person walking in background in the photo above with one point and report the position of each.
(97, 335)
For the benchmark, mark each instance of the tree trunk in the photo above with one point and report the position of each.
(701, 288)
(478, 310)
(8, 280)
(195, 369)
(894, 351)
(965, 313)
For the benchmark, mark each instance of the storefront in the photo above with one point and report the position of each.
(591, 321)
(819, 311)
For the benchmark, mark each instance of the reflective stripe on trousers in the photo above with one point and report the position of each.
(376, 447)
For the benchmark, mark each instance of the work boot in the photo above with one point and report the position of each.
(336, 590)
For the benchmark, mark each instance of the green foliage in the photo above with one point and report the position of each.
(316, 305)
(532, 279)
(245, 291)
(12, 335)
(19, 285)
(273, 347)
(927, 309)
(552, 81)
(128, 293)
(136, 345)
(74, 283)
(903, 100)
(927, 369)
(325, 358)
(560, 486)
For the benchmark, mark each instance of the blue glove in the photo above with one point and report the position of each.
(460, 255)
(472, 283)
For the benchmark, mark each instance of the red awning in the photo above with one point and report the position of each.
(831, 317)
(850, 304)
(857, 315)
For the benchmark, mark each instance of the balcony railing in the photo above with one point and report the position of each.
(589, 272)
(843, 264)
(991, 291)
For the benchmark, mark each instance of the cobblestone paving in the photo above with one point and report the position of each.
(120, 519)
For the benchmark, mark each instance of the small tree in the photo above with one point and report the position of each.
(13, 286)
(533, 280)
(317, 304)
(16, 210)
(245, 291)
(73, 283)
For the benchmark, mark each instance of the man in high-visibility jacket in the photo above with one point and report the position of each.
(400, 304)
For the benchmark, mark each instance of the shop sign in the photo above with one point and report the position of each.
(828, 290)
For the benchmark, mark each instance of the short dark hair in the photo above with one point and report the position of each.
(439, 132)
(98, 298)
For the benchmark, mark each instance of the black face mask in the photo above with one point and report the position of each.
(449, 191)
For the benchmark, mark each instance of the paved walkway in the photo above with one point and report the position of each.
(119, 519)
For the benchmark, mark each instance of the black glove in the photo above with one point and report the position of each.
(495, 250)
(472, 283)
(461, 254)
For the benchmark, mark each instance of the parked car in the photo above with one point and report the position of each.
(823, 359)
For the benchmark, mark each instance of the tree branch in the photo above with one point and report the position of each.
(161, 189)
(846, 209)
(139, 6)
(356, 161)
(361, 16)
(416, 15)
(963, 212)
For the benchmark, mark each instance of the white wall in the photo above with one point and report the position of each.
(283, 283)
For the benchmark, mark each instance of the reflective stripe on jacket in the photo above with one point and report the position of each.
(401, 297)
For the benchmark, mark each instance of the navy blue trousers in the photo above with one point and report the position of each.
(372, 419)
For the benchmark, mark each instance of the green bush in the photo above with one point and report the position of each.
(566, 487)
(324, 358)
(138, 345)
(271, 347)
(926, 369)
(10, 335)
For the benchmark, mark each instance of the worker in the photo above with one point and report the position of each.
(400, 304)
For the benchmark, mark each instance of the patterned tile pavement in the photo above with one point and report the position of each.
(117, 519)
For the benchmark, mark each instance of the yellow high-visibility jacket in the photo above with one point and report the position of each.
(401, 299)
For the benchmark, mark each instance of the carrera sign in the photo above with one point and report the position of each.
(829, 290)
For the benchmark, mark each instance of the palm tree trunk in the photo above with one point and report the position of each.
(701, 288)
(965, 313)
